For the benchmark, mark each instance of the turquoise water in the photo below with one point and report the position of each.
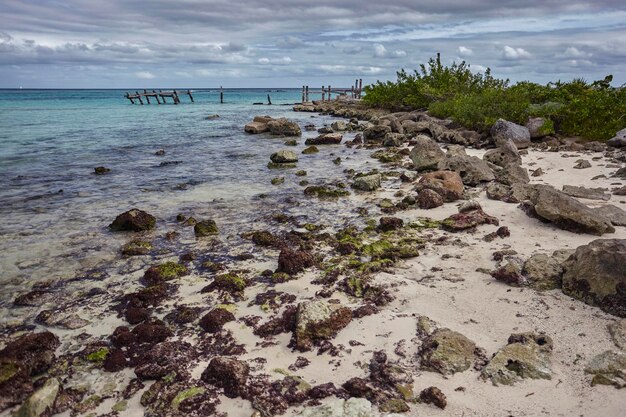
(55, 210)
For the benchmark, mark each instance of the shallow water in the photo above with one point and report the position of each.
(55, 210)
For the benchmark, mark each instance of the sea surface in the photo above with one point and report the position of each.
(55, 211)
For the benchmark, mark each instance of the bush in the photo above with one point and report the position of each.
(591, 110)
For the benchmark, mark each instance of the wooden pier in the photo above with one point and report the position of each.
(354, 91)
(162, 95)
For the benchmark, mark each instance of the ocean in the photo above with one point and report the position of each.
(55, 210)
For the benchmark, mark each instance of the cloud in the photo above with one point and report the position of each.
(573, 52)
(465, 51)
(264, 61)
(290, 42)
(514, 54)
(145, 75)
(379, 50)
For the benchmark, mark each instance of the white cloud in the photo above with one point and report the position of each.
(478, 68)
(379, 50)
(399, 53)
(465, 51)
(264, 61)
(512, 53)
(573, 52)
(145, 75)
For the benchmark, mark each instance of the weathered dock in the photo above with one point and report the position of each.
(354, 91)
(162, 95)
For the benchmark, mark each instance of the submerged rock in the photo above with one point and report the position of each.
(608, 368)
(310, 150)
(101, 170)
(284, 156)
(205, 228)
(447, 352)
(319, 320)
(133, 220)
(526, 355)
(596, 274)
(367, 182)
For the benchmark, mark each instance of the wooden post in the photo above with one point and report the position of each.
(221, 95)
(139, 97)
(330, 90)
(269, 100)
(190, 96)
(323, 94)
(156, 96)
(303, 94)
(352, 91)
(129, 97)
(360, 86)
(307, 93)
(146, 95)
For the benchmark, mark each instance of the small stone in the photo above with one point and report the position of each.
(582, 164)
(133, 220)
(429, 199)
(433, 395)
(101, 170)
(205, 228)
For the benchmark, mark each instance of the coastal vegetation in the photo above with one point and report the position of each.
(592, 110)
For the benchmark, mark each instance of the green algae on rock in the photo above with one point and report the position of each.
(205, 228)
(133, 220)
(319, 320)
(164, 272)
(608, 368)
(447, 352)
(136, 247)
(323, 191)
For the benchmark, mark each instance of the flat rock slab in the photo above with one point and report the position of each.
(616, 215)
(588, 193)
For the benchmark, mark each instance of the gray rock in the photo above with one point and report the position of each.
(284, 127)
(472, 169)
(367, 182)
(456, 150)
(526, 355)
(616, 215)
(539, 127)
(608, 368)
(393, 139)
(503, 131)
(588, 193)
(352, 407)
(596, 274)
(376, 133)
(617, 330)
(582, 164)
(503, 155)
(41, 401)
(512, 173)
(447, 352)
(339, 125)
(256, 128)
(564, 211)
(319, 320)
(426, 153)
(619, 140)
(543, 272)
(283, 157)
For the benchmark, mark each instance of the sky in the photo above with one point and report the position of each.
(290, 43)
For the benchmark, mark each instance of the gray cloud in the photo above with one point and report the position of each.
(280, 42)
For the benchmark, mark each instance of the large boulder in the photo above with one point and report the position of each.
(503, 131)
(543, 272)
(256, 128)
(473, 170)
(619, 140)
(426, 153)
(319, 320)
(526, 355)
(448, 184)
(511, 174)
(284, 127)
(596, 274)
(376, 133)
(564, 211)
(133, 220)
(539, 127)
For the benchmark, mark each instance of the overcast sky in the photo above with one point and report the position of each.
(288, 43)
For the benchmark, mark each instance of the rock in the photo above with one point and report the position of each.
(115, 361)
(429, 199)
(367, 182)
(136, 247)
(503, 155)
(608, 368)
(619, 140)
(284, 127)
(227, 373)
(564, 211)
(448, 184)
(526, 355)
(284, 157)
(339, 125)
(256, 128)
(468, 220)
(538, 127)
(291, 142)
(133, 220)
(393, 139)
(473, 170)
(511, 174)
(310, 150)
(352, 407)
(294, 261)
(447, 352)
(309, 127)
(319, 320)
(426, 153)
(620, 191)
(456, 150)
(325, 139)
(101, 170)
(41, 402)
(503, 131)
(325, 129)
(617, 330)
(278, 180)
(160, 152)
(616, 215)
(596, 274)
(510, 274)
(205, 228)
(212, 116)
(375, 133)
(543, 272)
(588, 193)
(537, 173)
(214, 320)
(387, 224)
(433, 395)
(582, 164)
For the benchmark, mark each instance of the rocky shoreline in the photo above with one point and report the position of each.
(470, 278)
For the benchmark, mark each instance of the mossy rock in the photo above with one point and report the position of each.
(136, 247)
(320, 191)
(447, 352)
(185, 394)
(278, 180)
(301, 173)
(98, 356)
(206, 228)
(394, 405)
(274, 165)
(164, 272)
(310, 150)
